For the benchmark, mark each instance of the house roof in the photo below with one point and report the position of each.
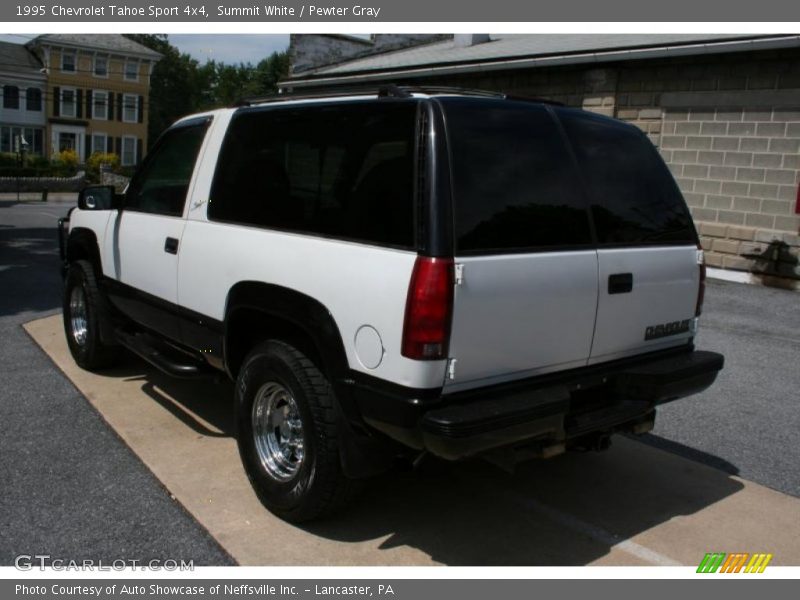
(15, 58)
(113, 43)
(531, 50)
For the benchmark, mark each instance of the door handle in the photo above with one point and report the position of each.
(620, 283)
(171, 245)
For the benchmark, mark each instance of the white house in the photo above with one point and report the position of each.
(22, 106)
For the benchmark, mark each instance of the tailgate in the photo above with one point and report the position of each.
(647, 300)
(519, 315)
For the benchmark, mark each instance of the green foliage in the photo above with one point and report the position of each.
(8, 160)
(67, 158)
(180, 85)
(97, 160)
(63, 165)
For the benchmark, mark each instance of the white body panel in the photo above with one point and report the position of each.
(139, 256)
(358, 284)
(665, 284)
(520, 315)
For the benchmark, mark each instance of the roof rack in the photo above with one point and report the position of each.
(388, 91)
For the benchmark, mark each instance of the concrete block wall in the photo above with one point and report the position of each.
(728, 127)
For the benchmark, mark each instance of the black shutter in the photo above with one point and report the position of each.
(110, 145)
(56, 101)
(139, 147)
(88, 145)
(79, 104)
(89, 111)
(119, 107)
(140, 116)
(110, 109)
(118, 147)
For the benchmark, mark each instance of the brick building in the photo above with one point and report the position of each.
(97, 93)
(724, 111)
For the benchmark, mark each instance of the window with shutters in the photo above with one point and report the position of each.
(10, 96)
(101, 66)
(68, 62)
(100, 105)
(130, 108)
(128, 157)
(99, 142)
(33, 99)
(132, 70)
(68, 102)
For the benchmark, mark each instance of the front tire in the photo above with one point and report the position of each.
(288, 434)
(84, 315)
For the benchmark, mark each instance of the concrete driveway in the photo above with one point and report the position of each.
(634, 505)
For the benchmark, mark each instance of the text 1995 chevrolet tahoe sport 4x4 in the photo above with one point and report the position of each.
(389, 274)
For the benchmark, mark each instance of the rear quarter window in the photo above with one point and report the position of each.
(343, 170)
(514, 188)
(633, 197)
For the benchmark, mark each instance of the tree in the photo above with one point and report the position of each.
(180, 85)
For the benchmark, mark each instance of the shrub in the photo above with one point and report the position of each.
(67, 158)
(64, 164)
(97, 160)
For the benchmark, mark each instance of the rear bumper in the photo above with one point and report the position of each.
(551, 410)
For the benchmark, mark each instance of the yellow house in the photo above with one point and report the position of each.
(97, 95)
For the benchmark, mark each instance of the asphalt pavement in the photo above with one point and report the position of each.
(748, 422)
(73, 489)
(70, 487)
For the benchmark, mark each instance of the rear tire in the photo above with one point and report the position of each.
(84, 311)
(288, 434)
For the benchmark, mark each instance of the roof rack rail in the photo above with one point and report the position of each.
(387, 91)
(520, 98)
(393, 91)
(281, 97)
(443, 89)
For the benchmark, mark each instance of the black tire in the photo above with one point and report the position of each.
(318, 487)
(88, 349)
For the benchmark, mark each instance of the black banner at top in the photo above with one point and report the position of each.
(439, 11)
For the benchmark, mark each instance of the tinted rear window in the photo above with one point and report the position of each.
(343, 170)
(514, 186)
(633, 196)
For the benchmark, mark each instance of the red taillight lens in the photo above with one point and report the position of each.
(429, 308)
(701, 291)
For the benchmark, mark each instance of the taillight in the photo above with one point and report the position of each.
(701, 290)
(429, 308)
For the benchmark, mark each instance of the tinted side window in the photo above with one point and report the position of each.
(513, 180)
(161, 185)
(634, 198)
(344, 170)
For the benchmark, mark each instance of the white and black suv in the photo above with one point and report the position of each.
(390, 274)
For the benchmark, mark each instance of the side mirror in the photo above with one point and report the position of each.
(99, 197)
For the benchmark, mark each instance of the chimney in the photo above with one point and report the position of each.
(465, 40)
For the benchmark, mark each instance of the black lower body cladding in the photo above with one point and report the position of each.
(556, 408)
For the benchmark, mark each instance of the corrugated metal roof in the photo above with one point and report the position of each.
(515, 46)
(97, 41)
(15, 58)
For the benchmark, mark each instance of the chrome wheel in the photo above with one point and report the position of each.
(77, 315)
(278, 431)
